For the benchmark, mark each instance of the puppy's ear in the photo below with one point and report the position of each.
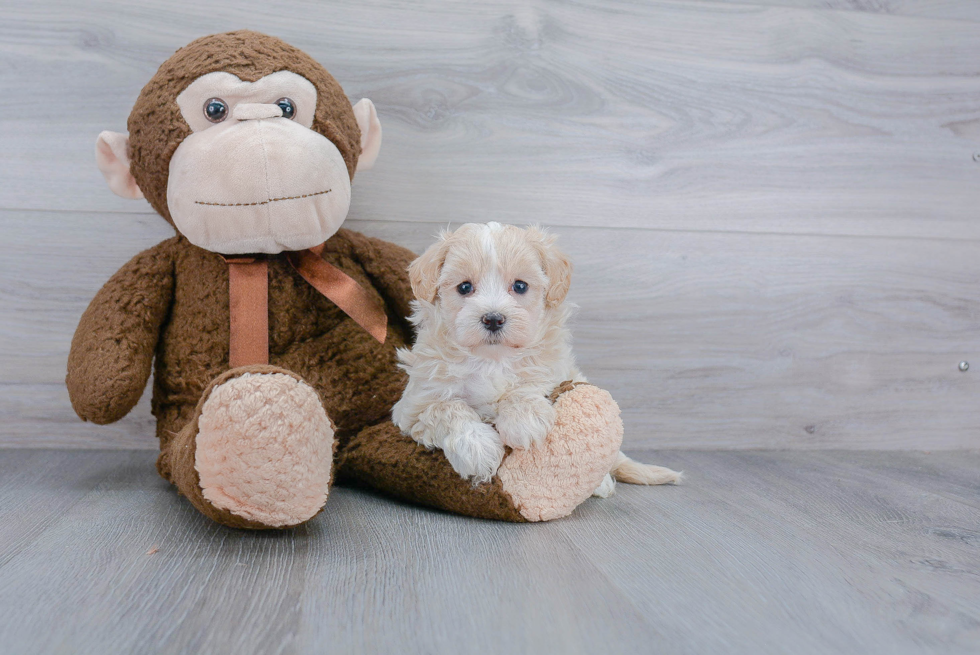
(555, 264)
(424, 272)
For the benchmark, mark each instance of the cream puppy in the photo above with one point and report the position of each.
(492, 346)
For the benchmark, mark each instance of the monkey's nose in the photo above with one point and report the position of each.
(250, 111)
(494, 321)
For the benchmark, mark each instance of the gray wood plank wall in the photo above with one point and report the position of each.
(772, 206)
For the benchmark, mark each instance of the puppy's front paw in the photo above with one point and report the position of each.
(475, 451)
(524, 420)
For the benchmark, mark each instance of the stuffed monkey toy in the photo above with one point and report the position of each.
(272, 328)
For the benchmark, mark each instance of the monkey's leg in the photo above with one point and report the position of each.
(258, 452)
(537, 484)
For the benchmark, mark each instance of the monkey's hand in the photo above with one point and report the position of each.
(524, 419)
(112, 351)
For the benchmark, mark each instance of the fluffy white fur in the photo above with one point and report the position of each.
(473, 390)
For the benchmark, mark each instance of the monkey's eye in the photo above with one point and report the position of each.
(216, 110)
(465, 288)
(288, 107)
(520, 286)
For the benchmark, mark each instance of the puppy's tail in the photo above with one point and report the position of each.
(629, 471)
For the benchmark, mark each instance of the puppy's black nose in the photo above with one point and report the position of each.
(494, 321)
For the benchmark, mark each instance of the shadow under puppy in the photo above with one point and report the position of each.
(492, 347)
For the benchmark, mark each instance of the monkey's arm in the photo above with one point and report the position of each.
(387, 265)
(112, 350)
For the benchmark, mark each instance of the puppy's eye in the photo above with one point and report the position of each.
(520, 286)
(465, 288)
(287, 106)
(216, 110)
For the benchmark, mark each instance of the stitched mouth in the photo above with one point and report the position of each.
(263, 202)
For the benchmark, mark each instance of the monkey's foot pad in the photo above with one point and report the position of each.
(265, 449)
(549, 481)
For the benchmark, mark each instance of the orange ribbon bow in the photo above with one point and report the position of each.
(248, 292)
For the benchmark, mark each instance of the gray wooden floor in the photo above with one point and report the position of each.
(760, 552)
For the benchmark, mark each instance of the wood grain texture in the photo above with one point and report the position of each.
(758, 552)
(706, 340)
(942, 9)
(673, 115)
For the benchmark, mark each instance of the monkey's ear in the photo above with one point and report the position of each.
(112, 157)
(367, 120)
(424, 272)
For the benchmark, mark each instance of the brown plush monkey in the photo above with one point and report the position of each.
(248, 147)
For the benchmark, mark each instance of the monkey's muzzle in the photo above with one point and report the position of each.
(258, 186)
